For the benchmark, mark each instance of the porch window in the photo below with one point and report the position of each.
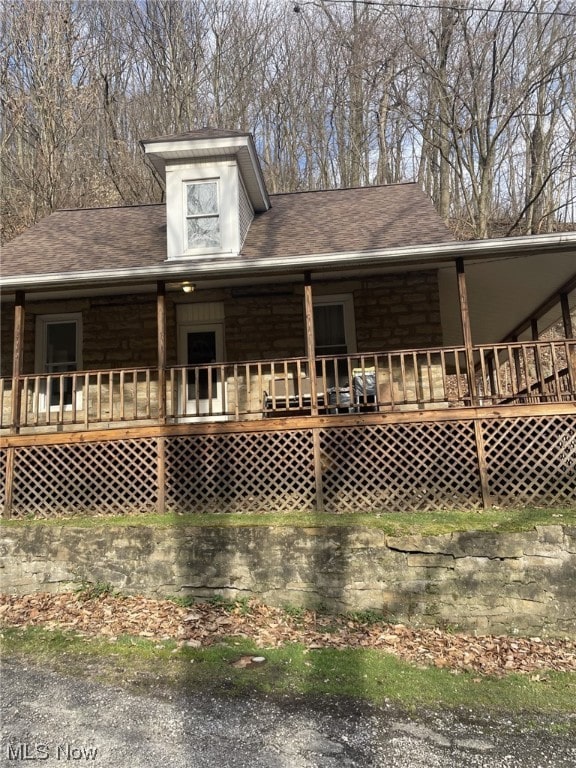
(58, 350)
(202, 215)
(334, 334)
(334, 325)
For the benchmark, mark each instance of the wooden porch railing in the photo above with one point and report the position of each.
(521, 372)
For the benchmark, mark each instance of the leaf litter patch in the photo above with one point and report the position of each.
(204, 624)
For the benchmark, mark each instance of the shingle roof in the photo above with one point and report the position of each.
(198, 133)
(340, 220)
(89, 239)
(302, 223)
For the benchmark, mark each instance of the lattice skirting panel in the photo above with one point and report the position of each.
(250, 472)
(400, 467)
(112, 477)
(531, 461)
(426, 465)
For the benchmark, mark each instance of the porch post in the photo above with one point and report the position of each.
(566, 317)
(17, 361)
(535, 332)
(518, 368)
(466, 329)
(310, 343)
(161, 323)
(569, 334)
(161, 465)
(310, 350)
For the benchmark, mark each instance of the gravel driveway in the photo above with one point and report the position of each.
(56, 720)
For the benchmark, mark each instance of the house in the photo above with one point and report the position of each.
(235, 350)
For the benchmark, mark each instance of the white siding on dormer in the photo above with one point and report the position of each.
(178, 177)
(245, 212)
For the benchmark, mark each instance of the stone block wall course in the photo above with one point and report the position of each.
(391, 312)
(484, 582)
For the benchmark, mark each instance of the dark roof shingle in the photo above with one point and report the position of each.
(340, 220)
(297, 224)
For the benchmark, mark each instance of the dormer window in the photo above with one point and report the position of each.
(214, 186)
(202, 215)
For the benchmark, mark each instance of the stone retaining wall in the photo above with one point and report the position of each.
(488, 582)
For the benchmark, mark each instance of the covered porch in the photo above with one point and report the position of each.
(479, 409)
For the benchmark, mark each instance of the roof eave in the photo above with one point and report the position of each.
(242, 266)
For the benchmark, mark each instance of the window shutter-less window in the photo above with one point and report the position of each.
(202, 215)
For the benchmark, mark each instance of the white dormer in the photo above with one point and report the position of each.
(214, 185)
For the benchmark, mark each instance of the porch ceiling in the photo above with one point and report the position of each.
(504, 292)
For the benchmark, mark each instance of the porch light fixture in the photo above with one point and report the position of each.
(188, 287)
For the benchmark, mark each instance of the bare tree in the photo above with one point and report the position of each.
(475, 101)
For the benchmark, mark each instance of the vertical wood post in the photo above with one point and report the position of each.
(466, 329)
(318, 471)
(161, 464)
(161, 327)
(17, 364)
(569, 334)
(482, 465)
(311, 354)
(17, 359)
(537, 362)
(310, 342)
(9, 488)
(518, 370)
(161, 476)
(566, 317)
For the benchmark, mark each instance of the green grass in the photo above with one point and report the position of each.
(372, 676)
(366, 675)
(391, 523)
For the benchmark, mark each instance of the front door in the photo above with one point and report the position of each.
(201, 346)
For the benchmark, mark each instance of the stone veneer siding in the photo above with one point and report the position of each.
(391, 312)
(398, 311)
(117, 331)
(486, 582)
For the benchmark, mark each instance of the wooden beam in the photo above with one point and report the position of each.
(290, 423)
(310, 342)
(566, 317)
(17, 366)
(318, 471)
(161, 475)
(161, 327)
(517, 367)
(17, 358)
(162, 357)
(482, 465)
(537, 361)
(466, 328)
(9, 489)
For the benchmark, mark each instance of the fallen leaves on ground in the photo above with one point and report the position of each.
(204, 624)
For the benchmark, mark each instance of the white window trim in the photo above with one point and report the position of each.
(226, 174)
(187, 216)
(42, 323)
(346, 300)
